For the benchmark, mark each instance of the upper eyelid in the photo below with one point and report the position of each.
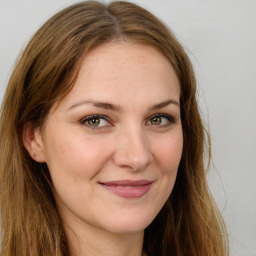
(86, 118)
(161, 115)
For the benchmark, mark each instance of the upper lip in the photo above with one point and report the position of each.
(127, 183)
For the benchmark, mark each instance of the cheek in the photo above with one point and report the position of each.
(168, 153)
(75, 154)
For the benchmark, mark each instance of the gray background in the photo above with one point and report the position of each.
(220, 37)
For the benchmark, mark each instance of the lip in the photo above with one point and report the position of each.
(128, 188)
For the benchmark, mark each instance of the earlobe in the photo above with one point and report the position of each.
(32, 141)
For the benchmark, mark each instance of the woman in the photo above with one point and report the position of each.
(102, 142)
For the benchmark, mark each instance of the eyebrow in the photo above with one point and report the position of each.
(165, 104)
(117, 108)
(98, 104)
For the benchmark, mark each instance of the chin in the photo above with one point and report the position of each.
(130, 224)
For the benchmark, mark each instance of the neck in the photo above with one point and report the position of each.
(93, 242)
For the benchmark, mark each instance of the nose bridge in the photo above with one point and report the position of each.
(132, 149)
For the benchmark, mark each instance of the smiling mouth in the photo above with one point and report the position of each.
(128, 188)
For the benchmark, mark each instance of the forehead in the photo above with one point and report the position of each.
(122, 55)
(125, 71)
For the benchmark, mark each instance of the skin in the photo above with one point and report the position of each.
(130, 142)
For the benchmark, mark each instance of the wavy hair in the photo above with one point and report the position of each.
(189, 223)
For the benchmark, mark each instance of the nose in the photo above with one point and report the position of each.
(132, 150)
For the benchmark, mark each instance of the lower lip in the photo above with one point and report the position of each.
(128, 191)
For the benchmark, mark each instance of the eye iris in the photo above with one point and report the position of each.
(94, 122)
(156, 120)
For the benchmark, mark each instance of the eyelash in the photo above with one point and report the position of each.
(86, 119)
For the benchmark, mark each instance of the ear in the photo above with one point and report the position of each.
(32, 140)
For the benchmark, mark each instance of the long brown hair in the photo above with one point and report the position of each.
(189, 223)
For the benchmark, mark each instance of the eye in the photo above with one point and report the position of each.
(160, 120)
(95, 121)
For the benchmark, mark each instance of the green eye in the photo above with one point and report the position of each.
(161, 120)
(156, 120)
(94, 121)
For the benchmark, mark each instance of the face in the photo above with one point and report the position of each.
(114, 143)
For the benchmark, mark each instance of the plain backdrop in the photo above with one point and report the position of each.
(220, 38)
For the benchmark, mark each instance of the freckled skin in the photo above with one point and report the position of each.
(125, 147)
